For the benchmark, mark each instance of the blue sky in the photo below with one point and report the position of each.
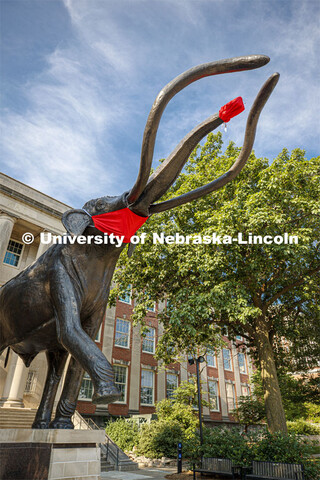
(79, 78)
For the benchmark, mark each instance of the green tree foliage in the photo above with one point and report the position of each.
(124, 432)
(263, 292)
(300, 396)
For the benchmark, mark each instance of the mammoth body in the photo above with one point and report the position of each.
(57, 304)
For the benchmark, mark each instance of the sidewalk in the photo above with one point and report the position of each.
(142, 474)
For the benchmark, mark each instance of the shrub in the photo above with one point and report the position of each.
(124, 433)
(279, 447)
(159, 438)
(228, 443)
(177, 412)
(302, 427)
(244, 448)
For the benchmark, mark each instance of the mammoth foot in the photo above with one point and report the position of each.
(61, 423)
(40, 424)
(107, 393)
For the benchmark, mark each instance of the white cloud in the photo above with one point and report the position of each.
(79, 133)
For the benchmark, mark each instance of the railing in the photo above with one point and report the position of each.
(109, 449)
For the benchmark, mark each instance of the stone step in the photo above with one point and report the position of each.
(17, 417)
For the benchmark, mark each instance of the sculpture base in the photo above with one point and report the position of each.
(27, 454)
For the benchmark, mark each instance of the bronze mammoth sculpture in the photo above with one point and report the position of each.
(57, 304)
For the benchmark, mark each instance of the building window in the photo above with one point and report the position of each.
(147, 387)
(172, 384)
(213, 395)
(148, 342)
(126, 298)
(122, 333)
(226, 359)
(31, 382)
(242, 363)
(231, 397)
(211, 358)
(245, 390)
(120, 379)
(86, 388)
(13, 253)
(98, 337)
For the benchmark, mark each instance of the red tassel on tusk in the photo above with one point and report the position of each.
(231, 109)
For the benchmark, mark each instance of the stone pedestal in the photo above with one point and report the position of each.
(27, 454)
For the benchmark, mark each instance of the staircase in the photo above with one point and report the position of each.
(112, 457)
(17, 417)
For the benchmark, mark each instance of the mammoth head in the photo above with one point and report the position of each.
(148, 189)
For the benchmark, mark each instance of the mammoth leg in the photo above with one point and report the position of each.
(108, 392)
(56, 362)
(68, 400)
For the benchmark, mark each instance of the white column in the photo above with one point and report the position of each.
(222, 388)
(14, 386)
(134, 397)
(184, 371)
(15, 383)
(161, 374)
(6, 227)
(234, 353)
(42, 247)
(204, 388)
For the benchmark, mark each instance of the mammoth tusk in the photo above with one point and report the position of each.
(220, 182)
(236, 64)
(168, 171)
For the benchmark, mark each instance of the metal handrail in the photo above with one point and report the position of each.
(89, 424)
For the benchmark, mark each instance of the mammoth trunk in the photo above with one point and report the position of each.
(272, 396)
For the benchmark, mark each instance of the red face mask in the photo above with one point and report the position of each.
(121, 222)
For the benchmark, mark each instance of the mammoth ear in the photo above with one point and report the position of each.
(76, 221)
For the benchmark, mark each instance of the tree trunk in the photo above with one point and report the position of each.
(276, 419)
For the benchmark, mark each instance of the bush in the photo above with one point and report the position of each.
(279, 447)
(124, 433)
(301, 427)
(177, 412)
(228, 443)
(159, 438)
(244, 448)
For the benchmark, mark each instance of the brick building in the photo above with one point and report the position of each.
(139, 376)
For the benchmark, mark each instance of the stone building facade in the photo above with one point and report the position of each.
(141, 378)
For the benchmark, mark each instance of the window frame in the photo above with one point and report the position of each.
(230, 360)
(130, 296)
(177, 378)
(86, 378)
(245, 385)
(98, 337)
(129, 333)
(245, 372)
(212, 354)
(145, 339)
(144, 386)
(124, 401)
(19, 256)
(234, 397)
(217, 396)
